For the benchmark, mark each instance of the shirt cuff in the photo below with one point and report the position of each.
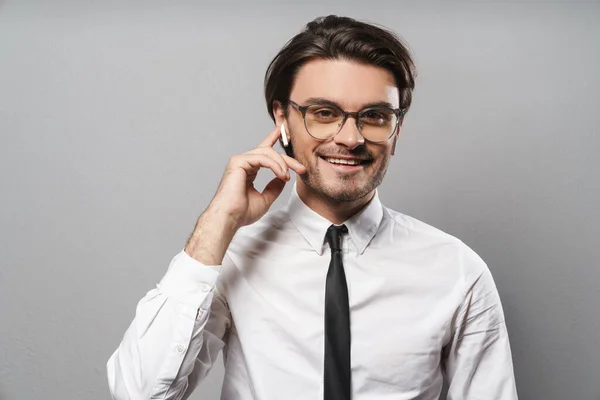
(189, 281)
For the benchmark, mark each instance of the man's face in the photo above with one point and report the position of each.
(352, 86)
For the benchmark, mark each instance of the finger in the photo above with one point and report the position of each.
(251, 163)
(275, 156)
(294, 164)
(272, 191)
(271, 138)
(282, 159)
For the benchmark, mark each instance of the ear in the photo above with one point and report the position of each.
(278, 112)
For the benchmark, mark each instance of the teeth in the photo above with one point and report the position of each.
(340, 161)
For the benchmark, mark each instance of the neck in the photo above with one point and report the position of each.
(334, 211)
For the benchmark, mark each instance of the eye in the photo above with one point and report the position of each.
(323, 114)
(374, 115)
(377, 117)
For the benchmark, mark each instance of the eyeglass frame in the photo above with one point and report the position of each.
(399, 112)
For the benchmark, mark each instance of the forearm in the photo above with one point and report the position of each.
(211, 237)
(158, 352)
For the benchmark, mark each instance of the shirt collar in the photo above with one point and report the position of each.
(361, 227)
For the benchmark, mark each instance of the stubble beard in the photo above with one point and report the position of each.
(345, 190)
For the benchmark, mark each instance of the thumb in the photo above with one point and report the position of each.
(272, 191)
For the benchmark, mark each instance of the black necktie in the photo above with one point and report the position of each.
(337, 322)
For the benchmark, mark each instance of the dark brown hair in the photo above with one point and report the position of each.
(334, 37)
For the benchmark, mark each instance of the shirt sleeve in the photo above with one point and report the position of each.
(478, 362)
(175, 336)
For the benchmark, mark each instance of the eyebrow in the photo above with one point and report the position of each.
(324, 101)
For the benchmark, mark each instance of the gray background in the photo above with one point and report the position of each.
(117, 120)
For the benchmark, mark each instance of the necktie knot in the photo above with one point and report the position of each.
(334, 236)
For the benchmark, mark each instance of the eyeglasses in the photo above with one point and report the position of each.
(325, 120)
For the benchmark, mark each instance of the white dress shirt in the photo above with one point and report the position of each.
(423, 306)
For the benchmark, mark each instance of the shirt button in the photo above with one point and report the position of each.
(180, 348)
(205, 287)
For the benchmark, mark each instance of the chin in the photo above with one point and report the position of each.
(341, 191)
(349, 197)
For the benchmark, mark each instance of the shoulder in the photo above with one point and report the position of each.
(433, 244)
(417, 231)
(273, 227)
(272, 221)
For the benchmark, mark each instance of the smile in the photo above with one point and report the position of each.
(343, 161)
(346, 163)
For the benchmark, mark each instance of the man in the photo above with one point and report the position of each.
(335, 296)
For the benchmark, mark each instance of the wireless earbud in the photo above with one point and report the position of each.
(284, 138)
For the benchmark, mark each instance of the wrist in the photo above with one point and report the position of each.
(211, 237)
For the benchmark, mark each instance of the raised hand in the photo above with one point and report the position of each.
(237, 202)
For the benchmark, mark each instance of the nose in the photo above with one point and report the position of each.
(349, 135)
